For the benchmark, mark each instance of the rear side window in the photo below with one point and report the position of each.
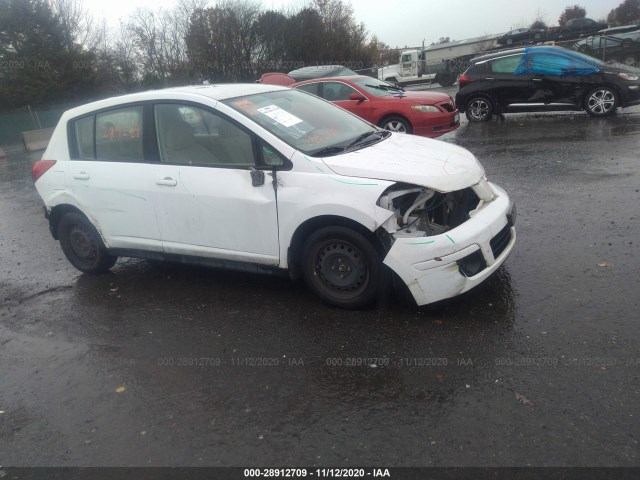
(506, 64)
(119, 134)
(113, 135)
(312, 88)
(84, 130)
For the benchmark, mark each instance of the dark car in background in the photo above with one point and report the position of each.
(521, 35)
(544, 79)
(579, 27)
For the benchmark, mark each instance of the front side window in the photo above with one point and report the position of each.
(337, 91)
(190, 135)
(305, 122)
(549, 64)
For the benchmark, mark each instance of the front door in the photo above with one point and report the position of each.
(208, 203)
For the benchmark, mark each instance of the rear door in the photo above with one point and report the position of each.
(110, 179)
(504, 84)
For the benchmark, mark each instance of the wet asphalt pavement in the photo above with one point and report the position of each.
(161, 364)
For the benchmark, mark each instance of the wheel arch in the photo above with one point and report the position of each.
(306, 228)
(613, 87)
(389, 115)
(58, 211)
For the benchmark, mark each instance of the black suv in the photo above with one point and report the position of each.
(543, 79)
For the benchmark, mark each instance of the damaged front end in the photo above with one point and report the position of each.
(444, 243)
(424, 212)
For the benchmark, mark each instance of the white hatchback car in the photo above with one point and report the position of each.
(267, 177)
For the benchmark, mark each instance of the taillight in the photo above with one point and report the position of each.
(40, 167)
(464, 80)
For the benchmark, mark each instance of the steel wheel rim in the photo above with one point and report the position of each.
(341, 268)
(83, 244)
(601, 101)
(395, 126)
(479, 109)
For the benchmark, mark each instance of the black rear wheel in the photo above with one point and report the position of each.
(342, 267)
(82, 245)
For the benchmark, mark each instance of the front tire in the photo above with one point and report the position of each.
(396, 124)
(82, 245)
(479, 109)
(342, 267)
(601, 101)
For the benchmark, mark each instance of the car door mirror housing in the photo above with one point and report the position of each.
(357, 96)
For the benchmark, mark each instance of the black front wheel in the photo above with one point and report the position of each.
(82, 245)
(479, 109)
(342, 267)
(601, 101)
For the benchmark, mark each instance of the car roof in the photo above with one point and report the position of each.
(348, 78)
(218, 92)
(516, 51)
(319, 71)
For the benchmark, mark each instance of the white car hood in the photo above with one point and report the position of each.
(416, 160)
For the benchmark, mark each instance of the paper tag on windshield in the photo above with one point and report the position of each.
(279, 115)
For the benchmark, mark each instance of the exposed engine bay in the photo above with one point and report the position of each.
(423, 212)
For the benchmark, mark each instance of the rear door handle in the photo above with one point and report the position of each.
(167, 181)
(81, 176)
(489, 78)
(536, 79)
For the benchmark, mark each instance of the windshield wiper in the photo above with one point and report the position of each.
(365, 135)
(328, 151)
(386, 87)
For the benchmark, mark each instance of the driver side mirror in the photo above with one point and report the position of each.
(357, 97)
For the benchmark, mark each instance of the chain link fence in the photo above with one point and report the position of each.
(25, 119)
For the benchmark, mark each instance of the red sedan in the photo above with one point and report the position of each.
(429, 114)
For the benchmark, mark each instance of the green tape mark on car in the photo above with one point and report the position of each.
(451, 239)
(355, 183)
(312, 162)
(422, 243)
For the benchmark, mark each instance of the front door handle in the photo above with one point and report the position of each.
(536, 79)
(167, 181)
(81, 176)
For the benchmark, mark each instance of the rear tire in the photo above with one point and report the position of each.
(601, 102)
(82, 245)
(479, 109)
(342, 267)
(396, 124)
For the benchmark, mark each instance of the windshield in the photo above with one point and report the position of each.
(304, 121)
(378, 87)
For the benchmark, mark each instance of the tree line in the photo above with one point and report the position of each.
(52, 51)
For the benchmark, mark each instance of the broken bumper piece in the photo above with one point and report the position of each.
(446, 265)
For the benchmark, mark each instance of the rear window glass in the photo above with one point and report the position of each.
(506, 64)
(84, 131)
(110, 135)
(119, 134)
(310, 88)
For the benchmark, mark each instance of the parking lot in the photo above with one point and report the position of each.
(170, 365)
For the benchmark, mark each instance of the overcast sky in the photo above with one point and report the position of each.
(400, 23)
